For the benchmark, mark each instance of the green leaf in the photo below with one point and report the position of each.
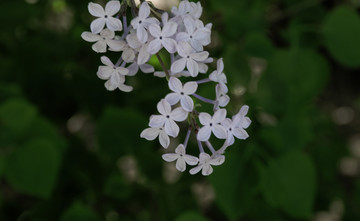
(17, 114)
(79, 212)
(341, 31)
(234, 185)
(33, 168)
(293, 78)
(256, 44)
(289, 183)
(191, 215)
(119, 131)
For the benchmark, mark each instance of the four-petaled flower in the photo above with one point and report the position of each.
(168, 117)
(106, 38)
(162, 37)
(196, 37)
(142, 22)
(153, 133)
(189, 58)
(212, 124)
(114, 75)
(181, 93)
(181, 158)
(105, 16)
(206, 163)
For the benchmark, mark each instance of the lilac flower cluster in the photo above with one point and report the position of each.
(183, 35)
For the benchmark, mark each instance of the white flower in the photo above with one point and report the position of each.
(142, 22)
(219, 76)
(206, 162)
(128, 54)
(182, 11)
(162, 37)
(168, 118)
(221, 97)
(196, 10)
(105, 16)
(181, 93)
(233, 129)
(153, 133)
(134, 43)
(196, 37)
(189, 59)
(241, 119)
(115, 76)
(106, 38)
(181, 158)
(212, 124)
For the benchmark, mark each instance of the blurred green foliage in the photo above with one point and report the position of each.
(70, 150)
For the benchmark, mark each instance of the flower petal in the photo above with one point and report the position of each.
(240, 133)
(219, 131)
(164, 107)
(191, 160)
(112, 7)
(207, 170)
(204, 118)
(113, 24)
(141, 34)
(128, 55)
(143, 56)
(171, 128)
(155, 30)
(90, 37)
(219, 116)
(217, 160)
(201, 56)
(195, 170)
(169, 29)
(115, 45)
(204, 133)
(97, 25)
(180, 149)
(172, 98)
(125, 88)
(96, 10)
(147, 68)
(189, 25)
(190, 87)
(184, 49)
(220, 65)
(192, 67)
(170, 157)
(106, 61)
(179, 114)
(150, 133)
(169, 44)
(154, 46)
(178, 65)
(144, 11)
(175, 84)
(164, 139)
(180, 164)
(182, 36)
(187, 103)
(107, 33)
(99, 47)
(157, 121)
(105, 72)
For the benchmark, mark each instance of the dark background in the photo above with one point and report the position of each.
(70, 150)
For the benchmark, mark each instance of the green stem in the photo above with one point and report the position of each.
(163, 66)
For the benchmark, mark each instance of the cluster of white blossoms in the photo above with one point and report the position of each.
(183, 36)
